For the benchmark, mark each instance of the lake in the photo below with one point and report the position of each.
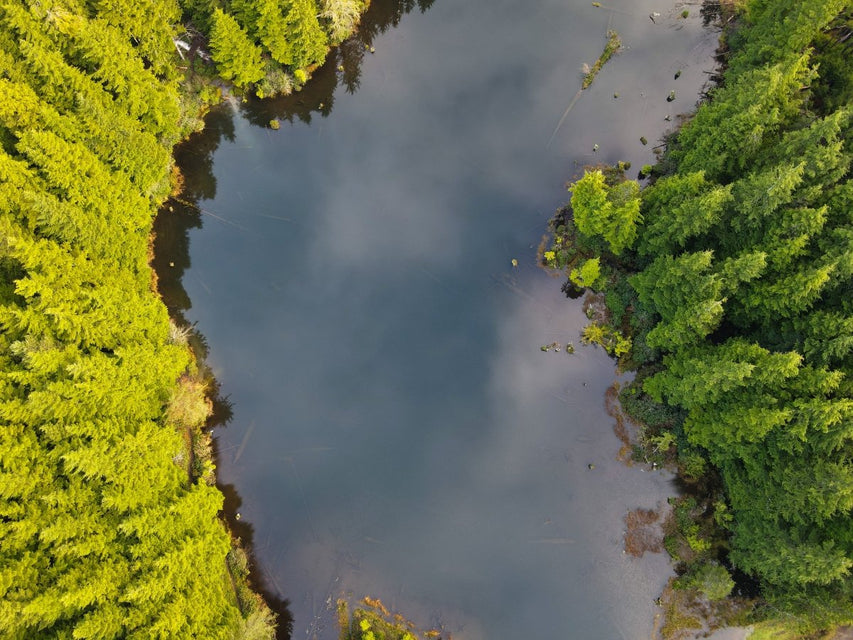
(393, 428)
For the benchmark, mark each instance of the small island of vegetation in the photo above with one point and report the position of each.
(726, 284)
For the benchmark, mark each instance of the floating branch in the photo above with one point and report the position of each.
(614, 44)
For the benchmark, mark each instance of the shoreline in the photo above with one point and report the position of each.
(720, 533)
(253, 594)
(251, 584)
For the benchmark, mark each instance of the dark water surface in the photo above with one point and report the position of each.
(396, 430)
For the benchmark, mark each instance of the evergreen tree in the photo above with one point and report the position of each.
(238, 59)
(273, 31)
(686, 294)
(678, 208)
(307, 40)
(340, 17)
(611, 212)
(88, 446)
(742, 281)
(729, 134)
(147, 24)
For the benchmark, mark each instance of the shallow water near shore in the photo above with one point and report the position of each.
(397, 431)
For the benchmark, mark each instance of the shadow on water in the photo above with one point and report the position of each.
(257, 578)
(342, 68)
(195, 156)
(182, 213)
(171, 259)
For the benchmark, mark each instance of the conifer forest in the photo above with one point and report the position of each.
(726, 279)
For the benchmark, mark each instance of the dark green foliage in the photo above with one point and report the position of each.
(781, 26)
(727, 136)
(642, 408)
(619, 298)
(678, 208)
(711, 579)
(833, 50)
(687, 296)
(742, 318)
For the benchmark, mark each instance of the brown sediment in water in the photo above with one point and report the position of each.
(643, 532)
(625, 429)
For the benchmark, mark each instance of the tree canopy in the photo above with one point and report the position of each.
(254, 42)
(106, 529)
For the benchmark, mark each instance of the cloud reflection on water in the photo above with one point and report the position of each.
(411, 441)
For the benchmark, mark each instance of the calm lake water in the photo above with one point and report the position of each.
(396, 430)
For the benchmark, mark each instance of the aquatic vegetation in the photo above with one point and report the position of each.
(642, 532)
(557, 347)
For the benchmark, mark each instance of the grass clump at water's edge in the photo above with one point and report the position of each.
(371, 620)
(614, 44)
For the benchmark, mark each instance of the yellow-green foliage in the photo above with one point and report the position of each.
(587, 274)
(340, 17)
(267, 44)
(773, 631)
(236, 56)
(374, 622)
(189, 405)
(611, 212)
(103, 534)
(679, 615)
(612, 340)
